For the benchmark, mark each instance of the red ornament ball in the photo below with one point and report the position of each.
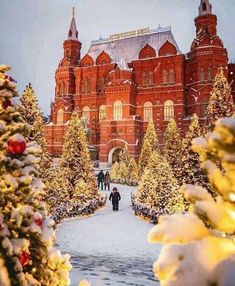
(24, 258)
(38, 219)
(16, 144)
(6, 103)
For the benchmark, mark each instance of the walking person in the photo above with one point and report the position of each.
(107, 181)
(101, 179)
(115, 198)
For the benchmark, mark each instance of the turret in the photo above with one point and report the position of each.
(206, 22)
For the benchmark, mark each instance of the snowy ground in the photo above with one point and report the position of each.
(110, 248)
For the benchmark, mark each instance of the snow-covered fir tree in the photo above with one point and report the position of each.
(172, 146)
(26, 234)
(221, 101)
(126, 170)
(58, 190)
(125, 156)
(32, 114)
(158, 188)
(208, 231)
(190, 170)
(114, 172)
(150, 143)
(123, 173)
(133, 177)
(75, 177)
(75, 157)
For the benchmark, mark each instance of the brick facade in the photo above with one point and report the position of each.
(131, 77)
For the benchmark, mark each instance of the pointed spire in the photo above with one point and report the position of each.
(73, 33)
(205, 8)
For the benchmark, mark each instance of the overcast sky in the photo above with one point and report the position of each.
(33, 31)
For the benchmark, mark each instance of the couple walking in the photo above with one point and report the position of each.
(104, 180)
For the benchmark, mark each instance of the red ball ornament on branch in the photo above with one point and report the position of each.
(16, 144)
(38, 219)
(24, 258)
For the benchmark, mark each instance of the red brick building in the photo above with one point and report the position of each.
(123, 81)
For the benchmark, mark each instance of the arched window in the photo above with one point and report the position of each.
(151, 78)
(202, 74)
(168, 110)
(102, 112)
(164, 77)
(60, 116)
(209, 75)
(172, 76)
(148, 111)
(144, 79)
(86, 114)
(117, 110)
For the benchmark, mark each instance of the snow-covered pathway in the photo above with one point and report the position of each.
(110, 248)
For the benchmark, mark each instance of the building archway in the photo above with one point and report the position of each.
(114, 155)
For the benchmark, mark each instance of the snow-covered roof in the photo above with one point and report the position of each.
(126, 47)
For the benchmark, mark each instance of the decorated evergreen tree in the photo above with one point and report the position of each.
(31, 113)
(172, 146)
(125, 156)
(58, 190)
(75, 158)
(26, 235)
(212, 223)
(133, 177)
(190, 171)
(221, 101)
(158, 188)
(75, 181)
(114, 173)
(150, 143)
(123, 172)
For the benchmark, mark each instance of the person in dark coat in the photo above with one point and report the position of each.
(107, 181)
(115, 198)
(101, 179)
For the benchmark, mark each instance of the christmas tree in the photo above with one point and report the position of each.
(75, 158)
(31, 113)
(212, 223)
(75, 177)
(190, 171)
(58, 190)
(133, 177)
(126, 170)
(158, 188)
(123, 173)
(114, 173)
(150, 143)
(172, 146)
(221, 101)
(125, 156)
(26, 234)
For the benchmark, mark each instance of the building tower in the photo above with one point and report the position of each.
(202, 62)
(65, 89)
